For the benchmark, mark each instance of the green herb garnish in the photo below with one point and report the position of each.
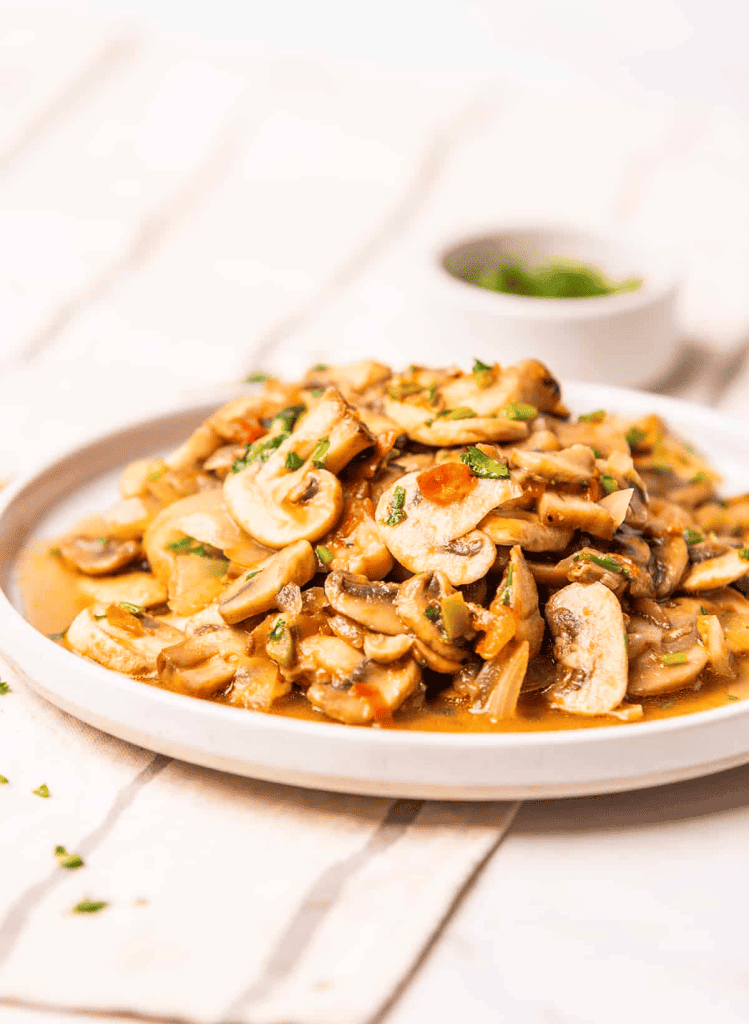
(317, 458)
(259, 450)
(134, 609)
(317, 392)
(403, 389)
(289, 416)
(731, 696)
(325, 555)
(181, 546)
(461, 413)
(42, 791)
(55, 552)
(609, 484)
(555, 279)
(251, 575)
(592, 417)
(67, 860)
(479, 367)
(692, 536)
(603, 561)
(433, 614)
(278, 631)
(744, 554)
(484, 374)
(396, 512)
(677, 658)
(433, 394)
(519, 411)
(484, 466)
(89, 906)
(293, 461)
(701, 478)
(319, 367)
(3, 781)
(4, 688)
(507, 592)
(596, 453)
(258, 378)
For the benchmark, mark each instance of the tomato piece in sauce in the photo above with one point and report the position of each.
(449, 482)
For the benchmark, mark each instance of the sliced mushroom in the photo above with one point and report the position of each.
(200, 444)
(126, 643)
(423, 535)
(716, 572)
(652, 673)
(575, 465)
(615, 571)
(346, 629)
(386, 649)
(98, 556)
(670, 560)
(256, 591)
(517, 593)
(528, 382)
(589, 649)
(525, 529)
(371, 604)
(355, 543)
(258, 684)
(202, 664)
(420, 608)
(137, 588)
(373, 691)
(439, 432)
(575, 513)
(351, 377)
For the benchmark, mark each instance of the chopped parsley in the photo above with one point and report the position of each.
(609, 484)
(484, 374)
(325, 555)
(701, 478)
(55, 553)
(134, 609)
(676, 658)
(102, 540)
(278, 631)
(703, 610)
(744, 554)
(592, 417)
(3, 781)
(251, 575)
(317, 392)
(507, 592)
(317, 458)
(156, 474)
(319, 367)
(289, 416)
(181, 546)
(42, 791)
(185, 546)
(89, 906)
(519, 411)
(484, 466)
(634, 436)
(293, 461)
(433, 614)
(403, 389)
(433, 394)
(258, 378)
(731, 696)
(692, 536)
(396, 512)
(67, 860)
(56, 637)
(603, 561)
(461, 413)
(259, 450)
(4, 688)
(596, 453)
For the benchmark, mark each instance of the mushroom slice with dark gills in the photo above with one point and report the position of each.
(423, 533)
(255, 591)
(371, 604)
(204, 663)
(351, 688)
(670, 558)
(431, 608)
(718, 572)
(121, 638)
(355, 545)
(615, 571)
(294, 494)
(665, 649)
(257, 684)
(513, 613)
(98, 556)
(589, 649)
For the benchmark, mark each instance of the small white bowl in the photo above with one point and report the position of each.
(629, 338)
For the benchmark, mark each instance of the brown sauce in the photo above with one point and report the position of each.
(50, 600)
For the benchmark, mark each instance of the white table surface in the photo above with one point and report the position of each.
(171, 217)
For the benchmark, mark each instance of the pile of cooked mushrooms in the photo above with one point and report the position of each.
(367, 540)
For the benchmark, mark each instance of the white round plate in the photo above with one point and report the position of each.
(461, 766)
